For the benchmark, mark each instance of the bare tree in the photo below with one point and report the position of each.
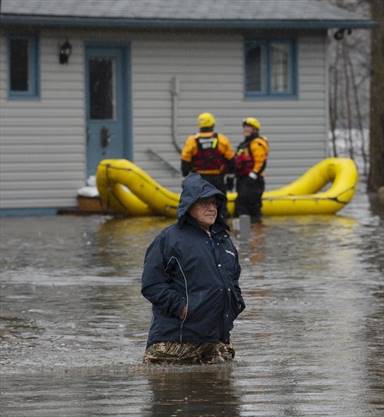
(347, 98)
(333, 100)
(349, 74)
(356, 98)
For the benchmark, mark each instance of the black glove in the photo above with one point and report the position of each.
(229, 182)
(186, 167)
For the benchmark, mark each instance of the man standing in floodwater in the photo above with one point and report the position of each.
(191, 277)
(210, 154)
(251, 161)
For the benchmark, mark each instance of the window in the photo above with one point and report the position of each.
(23, 66)
(270, 68)
(102, 87)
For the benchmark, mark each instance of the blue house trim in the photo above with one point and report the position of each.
(128, 120)
(55, 21)
(25, 212)
(33, 91)
(125, 47)
(266, 90)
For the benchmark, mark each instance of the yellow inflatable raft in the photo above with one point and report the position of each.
(127, 189)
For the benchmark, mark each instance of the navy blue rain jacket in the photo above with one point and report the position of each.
(185, 267)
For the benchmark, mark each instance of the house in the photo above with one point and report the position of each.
(87, 80)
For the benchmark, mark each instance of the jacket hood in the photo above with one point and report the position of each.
(195, 187)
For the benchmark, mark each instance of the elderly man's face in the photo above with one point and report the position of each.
(205, 211)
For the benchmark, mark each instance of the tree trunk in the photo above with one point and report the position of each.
(359, 116)
(376, 147)
(334, 100)
(348, 100)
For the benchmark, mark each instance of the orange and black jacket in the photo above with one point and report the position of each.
(252, 155)
(207, 153)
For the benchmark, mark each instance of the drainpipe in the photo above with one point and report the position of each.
(175, 91)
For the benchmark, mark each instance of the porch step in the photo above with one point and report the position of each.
(90, 204)
(85, 206)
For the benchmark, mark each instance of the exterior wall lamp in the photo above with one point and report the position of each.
(339, 34)
(65, 52)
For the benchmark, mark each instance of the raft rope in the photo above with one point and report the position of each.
(109, 167)
(301, 197)
(161, 189)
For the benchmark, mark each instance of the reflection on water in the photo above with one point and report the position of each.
(119, 243)
(199, 392)
(73, 323)
(69, 247)
(160, 392)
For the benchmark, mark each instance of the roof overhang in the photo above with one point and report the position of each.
(179, 24)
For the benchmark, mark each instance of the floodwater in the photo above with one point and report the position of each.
(310, 343)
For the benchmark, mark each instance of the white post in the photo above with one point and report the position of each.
(245, 227)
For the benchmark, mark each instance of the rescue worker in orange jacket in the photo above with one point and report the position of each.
(251, 161)
(210, 154)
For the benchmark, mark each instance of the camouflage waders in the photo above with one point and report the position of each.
(189, 353)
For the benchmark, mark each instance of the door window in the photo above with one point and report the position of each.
(102, 88)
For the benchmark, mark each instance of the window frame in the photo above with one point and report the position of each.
(33, 91)
(266, 69)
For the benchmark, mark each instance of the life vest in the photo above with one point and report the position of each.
(208, 157)
(244, 161)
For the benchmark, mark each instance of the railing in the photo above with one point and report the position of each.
(167, 164)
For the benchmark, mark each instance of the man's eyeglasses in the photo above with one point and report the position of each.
(206, 202)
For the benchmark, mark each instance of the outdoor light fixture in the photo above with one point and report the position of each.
(339, 34)
(65, 52)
